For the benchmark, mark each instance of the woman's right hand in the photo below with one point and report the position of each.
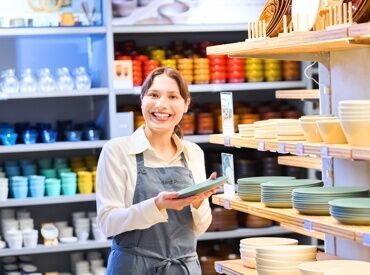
(169, 200)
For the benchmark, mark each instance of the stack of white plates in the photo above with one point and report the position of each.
(265, 129)
(249, 189)
(283, 259)
(355, 120)
(246, 130)
(315, 200)
(351, 211)
(310, 128)
(289, 129)
(335, 267)
(248, 247)
(279, 193)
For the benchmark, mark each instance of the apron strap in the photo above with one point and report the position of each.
(183, 160)
(165, 263)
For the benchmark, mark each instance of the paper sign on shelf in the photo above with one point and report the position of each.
(123, 78)
(227, 112)
(228, 170)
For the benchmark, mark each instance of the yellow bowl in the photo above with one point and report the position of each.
(331, 131)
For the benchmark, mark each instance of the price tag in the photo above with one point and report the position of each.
(261, 146)
(366, 239)
(299, 149)
(227, 140)
(307, 225)
(227, 204)
(324, 151)
(281, 148)
(218, 268)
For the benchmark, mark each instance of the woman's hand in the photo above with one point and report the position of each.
(169, 200)
(202, 196)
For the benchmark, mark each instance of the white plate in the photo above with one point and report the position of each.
(304, 14)
(2, 244)
(68, 239)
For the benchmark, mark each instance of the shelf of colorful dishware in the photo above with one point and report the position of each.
(14, 32)
(343, 151)
(314, 226)
(74, 93)
(47, 200)
(56, 146)
(305, 45)
(229, 87)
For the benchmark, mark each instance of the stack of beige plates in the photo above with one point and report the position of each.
(335, 267)
(246, 130)
(284, 259)
(355, 119)
(310, 128)
(289, 129)
(248, 247)
(265, 129)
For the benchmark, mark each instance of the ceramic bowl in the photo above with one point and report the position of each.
(123, 8)
(311, 131)
(357, 132)
(286, 249)
(331, 131)
(321, 267)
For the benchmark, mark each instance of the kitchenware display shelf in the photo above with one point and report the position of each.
(74, 93)
(312, 43)
(14, 32)
(301, 161)
(288, 216)
(246, 86)
(297, 94)
(343, 151)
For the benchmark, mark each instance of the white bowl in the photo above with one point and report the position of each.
(320, 267)
(357, 132)
(278, 264)
(286, 249)
(263, 241)
(291, 257)
(348, 270)
(360, 102)
(311, 131)
(315, 117)
(262, 271)
(249, 261)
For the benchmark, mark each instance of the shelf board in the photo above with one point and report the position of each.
(177, 28)
(13, 32)
(57, 146)
(343, 151)
(197, 138)
(314, 226)
(310, 43)
(301, 161)
(243, 232)
(74, 93)
(297, 94)
(61, 247)
(228, 87)
(47, 200)
(234, 267)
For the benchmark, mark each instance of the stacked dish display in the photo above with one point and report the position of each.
(279, 193)
(335, 267)
(246, 130)
(248, 247)
(310, 128)
(314, 200)
(289, 129)
(355, 120)
(265, 129)
(331, 131)
(283, 259)
(249, 189)
(351, 211)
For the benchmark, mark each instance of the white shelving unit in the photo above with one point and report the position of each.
(179, 28)
(12, 32)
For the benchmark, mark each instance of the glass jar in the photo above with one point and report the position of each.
(10, 82)
(64, 80)
(46, 80)
(82, 79)
(28, 82)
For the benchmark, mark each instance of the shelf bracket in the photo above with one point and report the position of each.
(328, 171)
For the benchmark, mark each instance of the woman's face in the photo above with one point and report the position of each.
(163, 106)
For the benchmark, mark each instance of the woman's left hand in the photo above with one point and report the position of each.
(202, 196)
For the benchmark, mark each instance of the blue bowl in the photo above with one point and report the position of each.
(92, 134)
(9, 138)
(37, 192)
(19, 192)
(30, 136)
(69, 189)
(73, 135)
(49, 136)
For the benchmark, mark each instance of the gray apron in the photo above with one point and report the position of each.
(164, 248)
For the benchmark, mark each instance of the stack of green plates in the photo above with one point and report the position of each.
(314, 201)
(249, 189)
(351, 211)
(279, 193)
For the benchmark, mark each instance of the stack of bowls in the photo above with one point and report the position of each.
(351, 211)
(223, 219)
(284, 259)
(273, 70)
(279, 193)
(69, 183)
(314, 200)
(19, 187)
(12, 169)
(246, 130)
(4, 189)
(248, 247)
(249, 189)
(53, 187)
(355, 119)
(85, 182)
(335, 267)
(36, 186)
(30, 237)
(310, 128)
(45, 163)
(289, 129)
(265, 129)
(331, 131)
(201, 71)
(82, 228)
(185, 67)
(29, 169)
(49, 173)
(14, 239)
(254, 70)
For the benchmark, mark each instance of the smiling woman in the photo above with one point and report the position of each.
(138, 182)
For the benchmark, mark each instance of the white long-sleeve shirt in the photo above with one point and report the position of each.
(116, 180)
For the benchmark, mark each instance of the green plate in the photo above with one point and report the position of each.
(292, 183)
(259, 180)
(361, 203)
(330, 190)
(201, 187)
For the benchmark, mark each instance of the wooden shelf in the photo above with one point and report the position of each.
(234, 267)
(297, 94)
(299, 161)
(312, 43)
(343, 151)
(314, 226)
